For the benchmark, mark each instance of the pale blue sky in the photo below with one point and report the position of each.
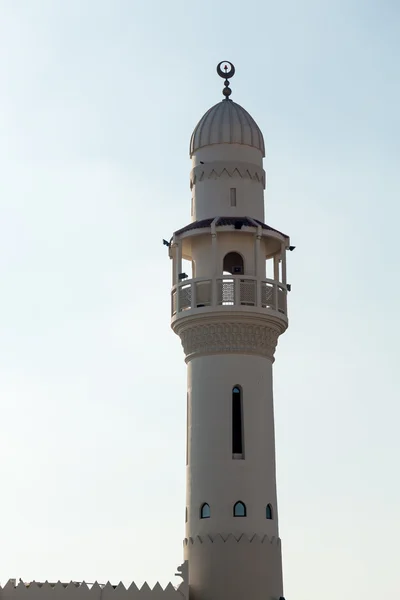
(97, 103)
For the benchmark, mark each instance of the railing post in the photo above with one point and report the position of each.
(213, 292)
(258, 292)
(276, 295)
(259, 287)
(193, 294)
(178, 299)
(236, 291)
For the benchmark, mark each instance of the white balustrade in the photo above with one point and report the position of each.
(231, 290)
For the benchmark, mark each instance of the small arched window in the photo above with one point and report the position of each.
(233, 263)
(269, 514)
(205, 512)
(239, 510)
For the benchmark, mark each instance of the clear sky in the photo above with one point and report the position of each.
(97, 103)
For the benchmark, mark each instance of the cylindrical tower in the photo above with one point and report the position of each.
(229, 315)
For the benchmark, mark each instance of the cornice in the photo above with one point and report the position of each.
(221, 538)
(229, 334)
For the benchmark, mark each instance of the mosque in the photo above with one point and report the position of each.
(229, 313)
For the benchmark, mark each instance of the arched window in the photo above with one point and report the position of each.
(239, 510)
(237, 422)
(269, 512)
(205, 512)
(186, 515)
(233, 263)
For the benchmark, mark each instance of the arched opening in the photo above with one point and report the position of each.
(205, 512)
(237, 422)
(269, 514)
(187, 269)
(239, 510)
(233, 264)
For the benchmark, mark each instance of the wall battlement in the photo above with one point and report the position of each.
(83, 591)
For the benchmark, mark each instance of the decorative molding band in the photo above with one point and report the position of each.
(221, 538)
(215, 170)
(241, 336)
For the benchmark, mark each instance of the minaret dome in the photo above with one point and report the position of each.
(227, 123)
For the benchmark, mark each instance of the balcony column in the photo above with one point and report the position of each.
(276, 279)
(258, 264)
(214, 248)
(177, 269)
(284, 277)
(283, 258)
(177, 260)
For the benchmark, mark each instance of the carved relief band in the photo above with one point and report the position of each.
(229, 337)
(215, 170)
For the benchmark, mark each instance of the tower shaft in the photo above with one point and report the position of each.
(229, 314)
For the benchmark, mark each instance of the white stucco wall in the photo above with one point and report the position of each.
(211, 191)
(238, 152)
(234, 569)
(213, 475)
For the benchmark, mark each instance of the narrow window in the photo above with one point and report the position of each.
(233, 196)
(186, 515)
(237, 425)
(269, 512)
(239, 510)
(205, 512)
(191, 207)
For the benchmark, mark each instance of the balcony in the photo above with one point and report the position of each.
(228, 291)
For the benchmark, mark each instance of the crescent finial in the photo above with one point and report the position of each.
(226, 72)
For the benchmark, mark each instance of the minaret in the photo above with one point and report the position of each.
(229, 314)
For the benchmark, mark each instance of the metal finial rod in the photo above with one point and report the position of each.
(226, 74)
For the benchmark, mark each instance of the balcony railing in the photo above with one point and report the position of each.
(231, 290)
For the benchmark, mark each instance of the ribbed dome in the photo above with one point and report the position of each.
(226, 123)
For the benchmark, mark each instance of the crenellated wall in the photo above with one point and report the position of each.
(82, 591)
